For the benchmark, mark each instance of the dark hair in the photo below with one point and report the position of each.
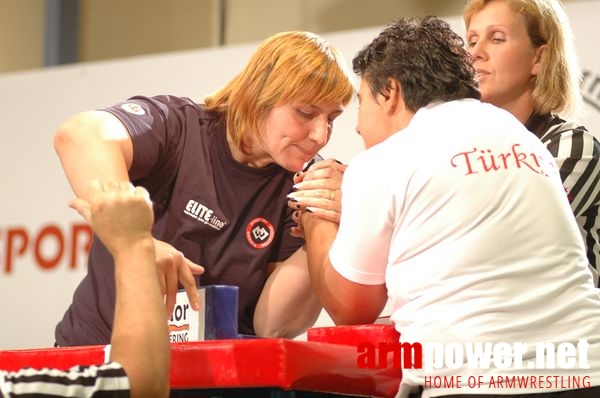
(425, 56)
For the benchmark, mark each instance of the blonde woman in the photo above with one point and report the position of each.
(218, 174)
(526, 63)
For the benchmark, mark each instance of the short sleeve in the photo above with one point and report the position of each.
(360, 250)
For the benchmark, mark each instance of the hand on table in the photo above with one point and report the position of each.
(120, 214)
(174, 269)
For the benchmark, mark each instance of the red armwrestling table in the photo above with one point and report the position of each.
(325, 365)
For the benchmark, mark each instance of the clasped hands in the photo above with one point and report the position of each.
(317, 192)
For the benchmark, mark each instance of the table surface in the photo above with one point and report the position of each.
(328, 365)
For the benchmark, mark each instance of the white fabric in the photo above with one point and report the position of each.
(469, 255)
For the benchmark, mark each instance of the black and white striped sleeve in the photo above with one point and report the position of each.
(577, 153)
(102, 381)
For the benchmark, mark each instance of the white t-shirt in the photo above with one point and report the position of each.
(463, 216)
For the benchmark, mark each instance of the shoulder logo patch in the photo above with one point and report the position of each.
(133, 108)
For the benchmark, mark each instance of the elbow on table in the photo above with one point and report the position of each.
(288, 330)
(351, 319)
(283, 331)
(361, 313)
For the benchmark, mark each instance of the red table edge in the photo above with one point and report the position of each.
(280, 363)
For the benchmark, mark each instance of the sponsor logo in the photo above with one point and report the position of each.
(181, 328)
(133, 108)
(204, 214)
(179, 324)
(260, 233)
(50, 247)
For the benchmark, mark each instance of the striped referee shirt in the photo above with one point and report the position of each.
(577, 153)
(103, 381)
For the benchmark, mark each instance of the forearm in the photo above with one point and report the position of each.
(345, 301)
(319, 237)
(287, 306)
(140, 337)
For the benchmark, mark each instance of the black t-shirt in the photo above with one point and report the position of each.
(228, 217)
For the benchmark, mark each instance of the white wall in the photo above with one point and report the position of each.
(35, 192)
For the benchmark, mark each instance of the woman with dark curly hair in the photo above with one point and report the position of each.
(445, 215)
